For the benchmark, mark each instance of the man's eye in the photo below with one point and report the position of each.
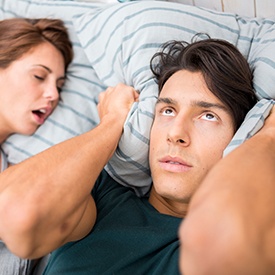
(168, 112)
(209, 116)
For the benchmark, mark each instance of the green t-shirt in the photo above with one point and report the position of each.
(130, 237)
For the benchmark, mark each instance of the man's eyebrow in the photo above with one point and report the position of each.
(205, 104)
(166, 100)
(199, 103)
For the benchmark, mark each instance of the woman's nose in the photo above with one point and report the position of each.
(52, 93)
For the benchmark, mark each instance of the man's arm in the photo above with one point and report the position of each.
(230, 226)
(45, 201)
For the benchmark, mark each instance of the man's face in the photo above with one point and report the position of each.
(191, 129)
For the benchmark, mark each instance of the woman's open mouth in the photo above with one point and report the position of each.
(40, 115)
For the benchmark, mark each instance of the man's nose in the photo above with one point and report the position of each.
(179, 132)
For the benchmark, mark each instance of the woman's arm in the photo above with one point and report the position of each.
(45, 201)
(230, 226)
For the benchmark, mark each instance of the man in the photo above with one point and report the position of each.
(204, 97)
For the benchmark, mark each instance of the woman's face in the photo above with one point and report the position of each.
(30, 90)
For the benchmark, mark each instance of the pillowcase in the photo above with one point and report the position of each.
(119, 42)
(114, 43)
(253, 122)
(257, 35)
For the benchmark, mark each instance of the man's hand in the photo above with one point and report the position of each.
(116, 101)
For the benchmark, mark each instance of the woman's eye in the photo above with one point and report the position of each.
(59, 89)
(209, 116)
(39, 77)
(167, 112)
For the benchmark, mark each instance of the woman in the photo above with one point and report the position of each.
(34, 56)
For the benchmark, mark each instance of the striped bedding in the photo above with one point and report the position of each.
(114, 43)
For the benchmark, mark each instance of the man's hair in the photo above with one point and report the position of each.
(20, 35)
(225, 70)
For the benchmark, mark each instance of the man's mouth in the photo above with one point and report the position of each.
(174, 164)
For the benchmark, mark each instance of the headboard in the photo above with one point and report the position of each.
(114, 43)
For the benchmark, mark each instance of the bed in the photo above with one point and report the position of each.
(113, 42)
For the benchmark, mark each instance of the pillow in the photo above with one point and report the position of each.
(114, 43)
(127, 35)
(253, 122)
(76, 112)
(259, 34)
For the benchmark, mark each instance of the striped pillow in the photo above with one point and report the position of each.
(114, 43)
(119, 42)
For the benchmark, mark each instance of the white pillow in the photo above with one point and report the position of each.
(114, 43)
(120, 40)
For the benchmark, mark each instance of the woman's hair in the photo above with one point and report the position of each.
(20, 35)
(225, 70)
